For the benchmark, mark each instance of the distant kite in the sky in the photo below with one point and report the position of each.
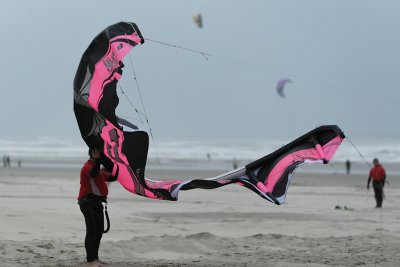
(198, 20)
(281, 85)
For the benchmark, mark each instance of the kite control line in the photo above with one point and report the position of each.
(181, 47)
(366, 162)
(145, 116)
(262, 68)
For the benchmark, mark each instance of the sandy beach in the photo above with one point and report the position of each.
(41, 224)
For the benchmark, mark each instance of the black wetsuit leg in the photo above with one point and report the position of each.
(94, 219)
(378, 189)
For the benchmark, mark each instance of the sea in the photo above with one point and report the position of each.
(192, 153)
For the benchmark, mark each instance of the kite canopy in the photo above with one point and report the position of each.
(95, 96)
(281, 85)
(124, 146)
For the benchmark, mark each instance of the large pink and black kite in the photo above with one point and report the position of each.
(125, 146)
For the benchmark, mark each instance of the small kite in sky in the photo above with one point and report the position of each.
(281, 85)
(198, 20)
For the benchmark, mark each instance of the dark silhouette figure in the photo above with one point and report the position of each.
(235, 163)
(348, 166)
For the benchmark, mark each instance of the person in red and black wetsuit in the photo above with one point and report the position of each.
(378, 177)
(92, 193)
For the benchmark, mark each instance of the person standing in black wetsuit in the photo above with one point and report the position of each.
(92, 193)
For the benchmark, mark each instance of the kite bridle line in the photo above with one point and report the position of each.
(144, 113)
(132, 105)
(261, 68)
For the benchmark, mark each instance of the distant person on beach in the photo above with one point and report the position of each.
(235, 163)
(4, 161)
(348, 166)
(93, 192)
(8, 161)
(378, 177)
(19, 163)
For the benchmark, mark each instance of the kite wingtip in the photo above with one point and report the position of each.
(276, 201)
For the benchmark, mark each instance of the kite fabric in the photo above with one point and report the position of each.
(281, 85)
(124, 146)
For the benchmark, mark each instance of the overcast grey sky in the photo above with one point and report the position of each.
(343, 57)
